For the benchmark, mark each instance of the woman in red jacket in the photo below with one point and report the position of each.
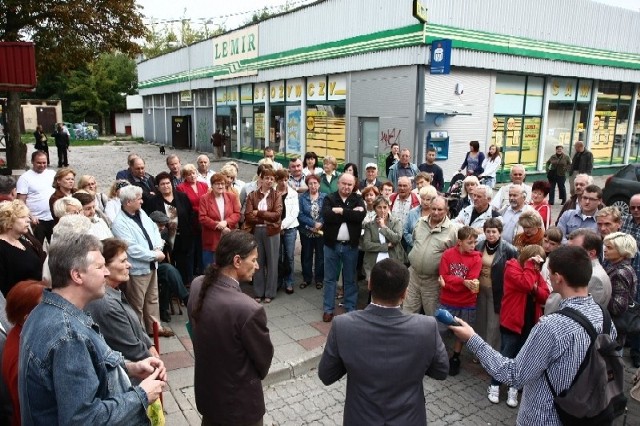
(525, 292)
(219, 213)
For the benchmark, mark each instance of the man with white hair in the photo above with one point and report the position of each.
(518, 174)
(203, 172)
(580, 182)
(145, 251)
(512, 212)
(474, 215)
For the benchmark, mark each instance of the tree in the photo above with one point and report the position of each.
(101, 87)
(65, 33)
(166, 39)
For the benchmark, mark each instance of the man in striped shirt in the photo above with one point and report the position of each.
(557, 344)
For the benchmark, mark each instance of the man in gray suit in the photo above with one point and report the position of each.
(385, 354)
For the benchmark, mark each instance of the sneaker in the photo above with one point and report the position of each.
(512, 397)
(454, 366)
(493, 393)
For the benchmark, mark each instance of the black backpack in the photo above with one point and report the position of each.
(596, 394)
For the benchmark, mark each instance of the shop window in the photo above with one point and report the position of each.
(326, 130)
(204, 98)
(172, 100)
(147, 101)
(158, 100)
(634, 157)
(610, 123)
(258, 142)
(247, 132)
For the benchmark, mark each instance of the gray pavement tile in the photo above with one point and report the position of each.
(289, 351)
(312, 315)
(303, 331)
(276, 310)
(286, 321)
(180, 378)
(169, 403)
(176, 419)
(300, 305)
(279, 337)
(170, 344)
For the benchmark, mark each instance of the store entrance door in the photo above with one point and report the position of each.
(369, 129)
(226, 121)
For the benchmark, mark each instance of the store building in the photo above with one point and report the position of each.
(351, 77)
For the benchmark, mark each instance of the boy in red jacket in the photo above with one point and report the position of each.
(459, 270)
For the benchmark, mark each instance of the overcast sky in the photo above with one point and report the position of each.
(233, 13)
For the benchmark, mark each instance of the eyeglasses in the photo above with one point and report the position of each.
(590, 199)
(634, 207)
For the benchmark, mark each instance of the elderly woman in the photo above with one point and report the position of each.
(21, 255)
(99, 227)
(382, 236)
(21, 300)
(263, 219)
(65, 206)
(495, 253)
(194, 190)
(329, 175)
(113, 206)
(619, 251)
(63, 182)
(427, 194)
(539, 191)
(468, 185)
(176, 205)
(230, 173)
(311, 236)
(311, 164)
(219, 213)
(88, 183)
(532, 230)
(118, 322)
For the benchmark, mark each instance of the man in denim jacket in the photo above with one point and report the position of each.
(68, 374)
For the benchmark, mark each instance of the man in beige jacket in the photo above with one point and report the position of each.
(431, 237)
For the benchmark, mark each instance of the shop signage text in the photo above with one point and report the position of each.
(233, 49)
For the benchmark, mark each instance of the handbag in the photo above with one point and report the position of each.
(629, 321)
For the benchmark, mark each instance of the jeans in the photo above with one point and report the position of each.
(510, 345)
(288, 243)
(208, 258)
(312, 248)
(333, 256)
(562, 191)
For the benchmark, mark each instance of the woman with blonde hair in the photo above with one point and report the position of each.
(532, 230)
(64, 184)
(230, 173)
(88, 183)
(114, 205)
(329, 176)
(619, 251)
(468, 185)
(21, 255)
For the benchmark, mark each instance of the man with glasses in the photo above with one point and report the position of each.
(583, 216)
(631, 226)
(518, 174)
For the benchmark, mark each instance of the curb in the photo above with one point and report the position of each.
(284, 371)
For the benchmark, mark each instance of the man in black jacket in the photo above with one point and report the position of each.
(343, 212)
(582, 163)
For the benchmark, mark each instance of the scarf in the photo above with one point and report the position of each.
(492, 248)
(522, 240)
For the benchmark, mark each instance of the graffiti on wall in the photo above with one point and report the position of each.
(390, 136)
(204, 131)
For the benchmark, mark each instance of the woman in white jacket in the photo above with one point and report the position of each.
(491, 164)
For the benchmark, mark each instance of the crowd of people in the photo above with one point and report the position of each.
(151, 238)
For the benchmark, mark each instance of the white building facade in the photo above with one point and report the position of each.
(349, 78)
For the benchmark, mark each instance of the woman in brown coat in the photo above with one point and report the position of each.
(263, 219)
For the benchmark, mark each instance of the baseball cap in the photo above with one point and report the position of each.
(159, 217)
(371, 166)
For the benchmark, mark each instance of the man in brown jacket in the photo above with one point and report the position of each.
(233, 350)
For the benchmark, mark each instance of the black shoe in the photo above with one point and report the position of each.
(635, 360)
(454, 366)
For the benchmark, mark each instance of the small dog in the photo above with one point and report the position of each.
(162, 150)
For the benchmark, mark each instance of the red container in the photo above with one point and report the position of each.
(17, 66)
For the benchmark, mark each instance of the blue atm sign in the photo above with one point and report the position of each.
(440, 56)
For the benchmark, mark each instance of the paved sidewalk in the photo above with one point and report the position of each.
(293, 393)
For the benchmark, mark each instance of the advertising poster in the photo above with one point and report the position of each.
(293, 130)
(258, 127)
